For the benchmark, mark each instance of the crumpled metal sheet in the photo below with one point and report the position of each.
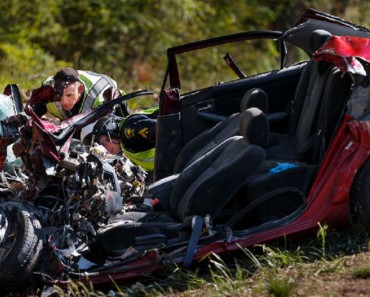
(345, 52)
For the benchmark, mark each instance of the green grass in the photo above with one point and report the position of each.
(362, 273)
(279, 286)
(278, 270)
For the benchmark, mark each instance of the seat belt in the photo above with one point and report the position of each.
(197, 224)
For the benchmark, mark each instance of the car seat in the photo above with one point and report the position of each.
(229, 127)
(292, 160)
(200, 190)
(319, 101)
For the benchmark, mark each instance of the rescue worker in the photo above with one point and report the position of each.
(134, 136)
(70, 92)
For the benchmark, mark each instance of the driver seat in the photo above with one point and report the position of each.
(209, 139)
(200, 190)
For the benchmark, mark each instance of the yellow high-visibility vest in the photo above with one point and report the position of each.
(94, 84)
(145, 159)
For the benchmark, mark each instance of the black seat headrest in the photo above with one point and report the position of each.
(254, 126)
(255, 97)
(317, 39)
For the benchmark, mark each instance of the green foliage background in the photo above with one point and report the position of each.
(127, 39)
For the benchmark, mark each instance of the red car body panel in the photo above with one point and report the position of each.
(343, 52)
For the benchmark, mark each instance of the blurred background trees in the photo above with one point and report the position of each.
(127, 39)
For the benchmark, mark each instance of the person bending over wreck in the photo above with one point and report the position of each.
(133, 135)
(70, 92)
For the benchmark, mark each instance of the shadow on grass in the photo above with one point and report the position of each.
(219, 275)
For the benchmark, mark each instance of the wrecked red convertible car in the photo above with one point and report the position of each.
(239, 162)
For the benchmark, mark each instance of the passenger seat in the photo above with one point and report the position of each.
(316, 87)
(214, 136)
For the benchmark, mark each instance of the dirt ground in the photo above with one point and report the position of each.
(344, 282)
(335, 278)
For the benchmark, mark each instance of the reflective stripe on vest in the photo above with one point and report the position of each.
(101, 84)
(144, 159)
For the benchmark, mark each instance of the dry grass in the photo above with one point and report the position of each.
(331, 264)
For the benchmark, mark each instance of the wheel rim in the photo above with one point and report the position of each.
(9, 238)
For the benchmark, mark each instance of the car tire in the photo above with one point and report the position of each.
(21, 247)
(360, 197)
